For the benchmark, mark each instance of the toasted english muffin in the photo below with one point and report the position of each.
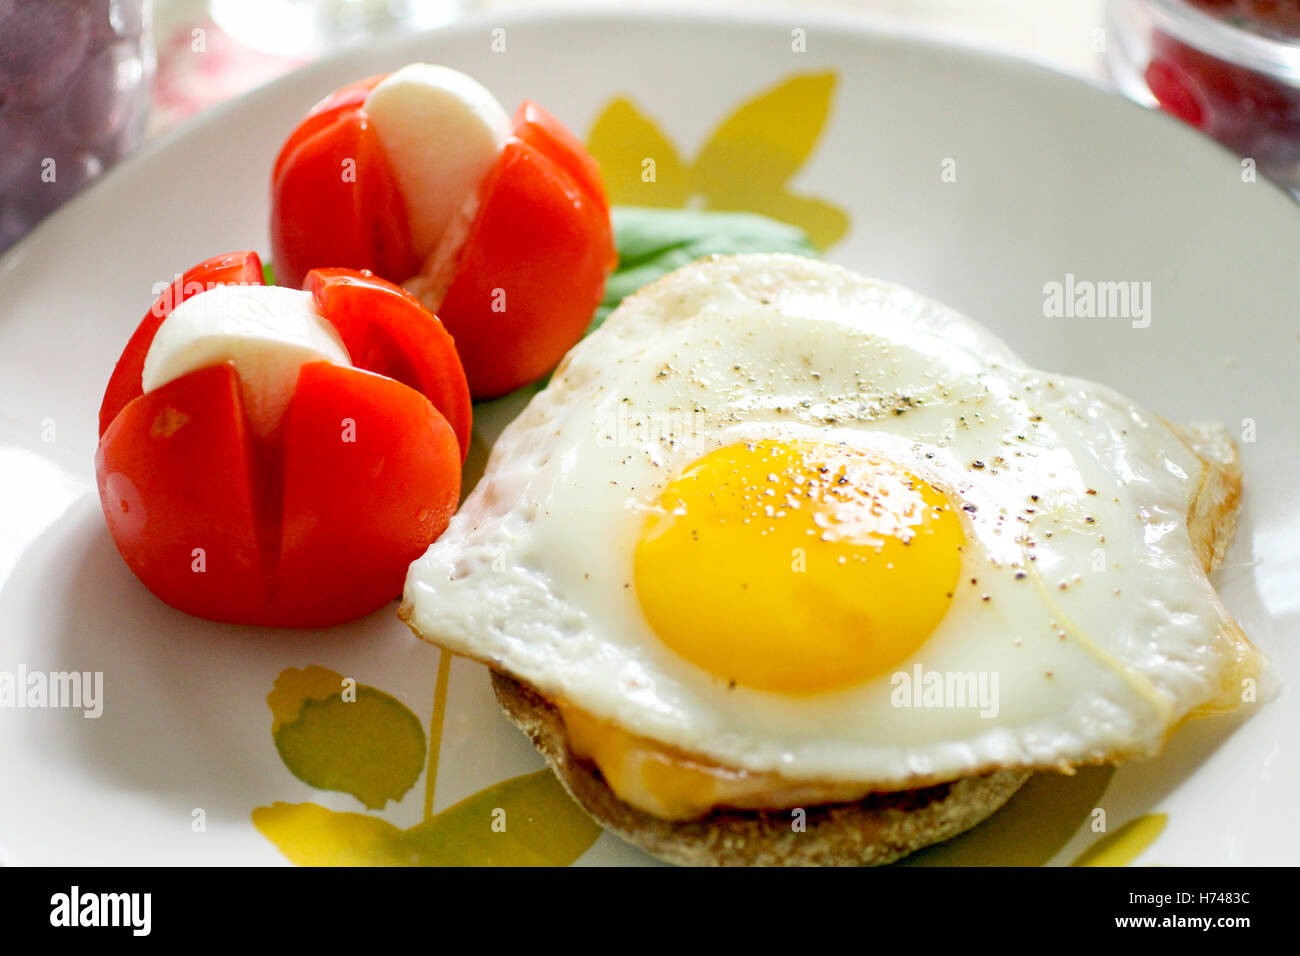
(876, 830)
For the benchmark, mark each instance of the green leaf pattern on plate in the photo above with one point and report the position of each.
(524, 821)
(367, 743)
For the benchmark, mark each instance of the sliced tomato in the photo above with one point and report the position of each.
(371, 476)
(234, 268)
(530, 274)
(309, 530)
(545, 133)
(335, 202)
(316, 523)
(176, 472)
(387, 330)
(343, 100)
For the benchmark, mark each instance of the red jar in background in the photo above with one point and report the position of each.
(1231, 68)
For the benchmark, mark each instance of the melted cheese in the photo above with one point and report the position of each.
(673, 785)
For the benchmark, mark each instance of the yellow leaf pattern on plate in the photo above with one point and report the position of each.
(622, 140)
(294, 687)
(768, 138)
(530, 820)
(311, 835)
(1124, 845)
(524, 821)
(744, 165)
(373, 747)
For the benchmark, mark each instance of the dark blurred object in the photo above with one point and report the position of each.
(74, 98)
(1231, 68)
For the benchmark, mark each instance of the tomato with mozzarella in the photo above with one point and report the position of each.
(279, 457)
(499, 224)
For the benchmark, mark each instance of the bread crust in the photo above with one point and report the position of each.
(878, 829)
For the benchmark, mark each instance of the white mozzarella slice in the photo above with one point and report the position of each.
(268, 332)
(442, 131)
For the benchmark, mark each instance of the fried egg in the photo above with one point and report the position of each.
(790, 521)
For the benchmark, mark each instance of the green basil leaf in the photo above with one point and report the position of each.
(654, 242)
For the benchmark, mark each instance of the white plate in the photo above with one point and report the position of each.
(1052, 177)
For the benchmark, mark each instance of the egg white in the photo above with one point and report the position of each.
(534, 574)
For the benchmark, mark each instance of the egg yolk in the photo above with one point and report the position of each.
(797, 567)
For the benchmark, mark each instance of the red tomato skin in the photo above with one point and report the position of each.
(343, 100)
(389, 331)
(233, 268)
(175, 473)
(372, 476)
(311, 528)
(335, 202)
(320, 221)
(530, 274)
(537, 127)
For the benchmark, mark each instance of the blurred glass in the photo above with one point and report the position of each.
(1230, 68)
(304, 28)
(74, 98)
